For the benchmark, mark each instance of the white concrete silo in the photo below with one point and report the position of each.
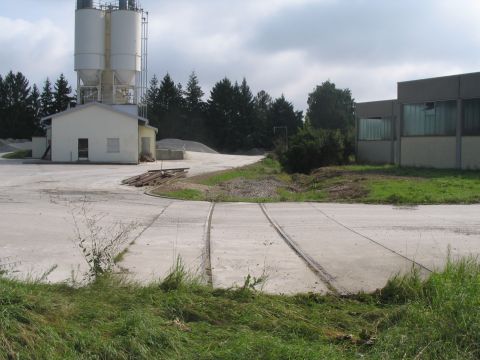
(126, 46)
(111, 53)
(90, 46)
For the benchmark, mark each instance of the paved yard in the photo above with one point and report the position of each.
(295, 247)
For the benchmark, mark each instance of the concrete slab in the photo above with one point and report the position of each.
(244, 243)
(426, 234)
(178, 233)
(355, 264)
(36, 229)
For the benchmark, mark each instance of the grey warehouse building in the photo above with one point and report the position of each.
(433, 123)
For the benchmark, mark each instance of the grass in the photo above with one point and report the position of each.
(354, 183)
(266, 167)
(436, 318)
(20, 154)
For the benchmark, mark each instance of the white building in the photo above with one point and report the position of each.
(99, 133)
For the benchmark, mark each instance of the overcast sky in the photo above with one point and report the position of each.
(281, 46)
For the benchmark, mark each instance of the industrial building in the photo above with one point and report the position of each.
(109, 122)
(433, 123)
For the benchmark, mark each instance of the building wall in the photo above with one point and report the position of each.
(431, 151)
(375, 152)
(471, 152)
(417, 91)
(39, 146)
(95, 124)
(150, 133)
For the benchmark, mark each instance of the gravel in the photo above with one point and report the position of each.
(177, 144)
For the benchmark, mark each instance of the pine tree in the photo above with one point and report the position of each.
(195, 109)
(245, 117)
(46, 99)
(16, 117)
(194, 95)
(220, 114)
(283, 114)
(263, 129)
(62, 95)
(35, 109)
(171, 109)
(152, 99)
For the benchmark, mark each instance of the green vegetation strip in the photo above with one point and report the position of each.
(354, 183)
(437, 318)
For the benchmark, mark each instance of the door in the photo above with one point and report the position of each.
(146, 146)
(82, 149)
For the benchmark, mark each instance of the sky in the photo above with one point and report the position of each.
(281, 46)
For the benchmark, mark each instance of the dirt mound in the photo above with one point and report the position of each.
(243, 188)
(185, 145)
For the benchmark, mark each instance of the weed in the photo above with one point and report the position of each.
(100, 245)
(178, 277)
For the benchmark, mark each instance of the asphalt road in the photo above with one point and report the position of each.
(293, 247)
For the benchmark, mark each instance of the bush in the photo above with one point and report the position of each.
(310, 149)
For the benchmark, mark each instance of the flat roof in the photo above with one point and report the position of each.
(439, 77)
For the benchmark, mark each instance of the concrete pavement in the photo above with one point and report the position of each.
(356, 247)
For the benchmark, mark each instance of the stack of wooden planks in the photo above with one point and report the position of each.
(156, 177)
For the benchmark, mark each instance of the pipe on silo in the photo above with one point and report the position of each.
(132, 4)
(122, 5)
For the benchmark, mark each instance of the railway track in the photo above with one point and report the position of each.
(328, 279)
(208, 249)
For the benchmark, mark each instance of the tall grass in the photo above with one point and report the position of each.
(411, 318)
(436, 318)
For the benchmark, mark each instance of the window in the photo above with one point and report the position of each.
(471, 117)
(431, 118)
(375, 129)
(113, 146)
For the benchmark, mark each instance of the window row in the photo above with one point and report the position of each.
(375, 129)
(440, 118)
(427, 119)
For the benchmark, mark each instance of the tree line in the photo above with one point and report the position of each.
(22, 106)
(232, 119)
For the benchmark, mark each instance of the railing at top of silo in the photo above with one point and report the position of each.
(133, 5)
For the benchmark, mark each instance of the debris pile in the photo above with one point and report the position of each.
(156, 177)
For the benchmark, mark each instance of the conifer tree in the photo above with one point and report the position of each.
(46, 99)
(62, 95)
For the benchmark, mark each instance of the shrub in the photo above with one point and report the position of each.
(310, 149)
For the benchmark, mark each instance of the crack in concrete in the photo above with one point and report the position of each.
(369, 239)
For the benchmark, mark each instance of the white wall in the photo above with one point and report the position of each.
(95, 124)
(39, 146)
(150, 133)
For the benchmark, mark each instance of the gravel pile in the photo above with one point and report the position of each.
(10, 145)
(177, 144)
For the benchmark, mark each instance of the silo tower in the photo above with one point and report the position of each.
(111, 53)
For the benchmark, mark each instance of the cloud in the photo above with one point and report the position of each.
(35, 48)
(281, 46)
